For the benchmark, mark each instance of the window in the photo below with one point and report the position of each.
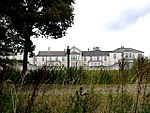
(114, 56)
(56, 58)
(73, 57)
(91, 58)
(126, 55)
(94, 58)
(139, 55)
(100, 57)
(97, 58)
(63, 59)
(84, 58)
(50, 59)
(130, 55)
(42, 58)
(78, 57)
(105, 58)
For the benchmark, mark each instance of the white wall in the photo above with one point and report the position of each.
(79, 61)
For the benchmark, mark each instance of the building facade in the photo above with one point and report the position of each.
(90, 59)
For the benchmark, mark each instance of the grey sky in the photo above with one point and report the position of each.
(128, 17)
(108, 24)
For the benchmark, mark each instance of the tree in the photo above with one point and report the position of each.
(8, 42)
(34, 18)
(4, 43)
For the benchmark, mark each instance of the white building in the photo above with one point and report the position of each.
(90, 59)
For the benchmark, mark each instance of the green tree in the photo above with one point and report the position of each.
(34, 18)
(4, 44)
(8, 42)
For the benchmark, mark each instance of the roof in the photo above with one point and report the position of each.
(75, 53)
(122, 49)
(76, 48)
(96, 53)
(51, 53)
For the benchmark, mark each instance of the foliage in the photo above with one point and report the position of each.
(32, 97)
(83, 102)
(32, 18)
(72, 76)
(122, 103)
(146, 105)
(6, 102)
(5, 43)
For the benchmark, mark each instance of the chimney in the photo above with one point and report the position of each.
(95, 48)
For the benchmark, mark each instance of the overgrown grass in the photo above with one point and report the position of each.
(77, 90)
(76, 76)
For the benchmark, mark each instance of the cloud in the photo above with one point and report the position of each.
(127, 18)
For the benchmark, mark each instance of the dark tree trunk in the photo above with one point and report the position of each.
(1, 88)
(25, 60)
(68, 57)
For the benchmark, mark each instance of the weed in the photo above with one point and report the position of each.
(84, 102)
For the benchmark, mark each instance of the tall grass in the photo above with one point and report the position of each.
(69, 76)
(39, 95)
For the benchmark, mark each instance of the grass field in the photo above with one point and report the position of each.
(77, 90)
(76, 99)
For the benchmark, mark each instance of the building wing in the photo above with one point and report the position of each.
(96, 53)
(51, 53)
(122, 49)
